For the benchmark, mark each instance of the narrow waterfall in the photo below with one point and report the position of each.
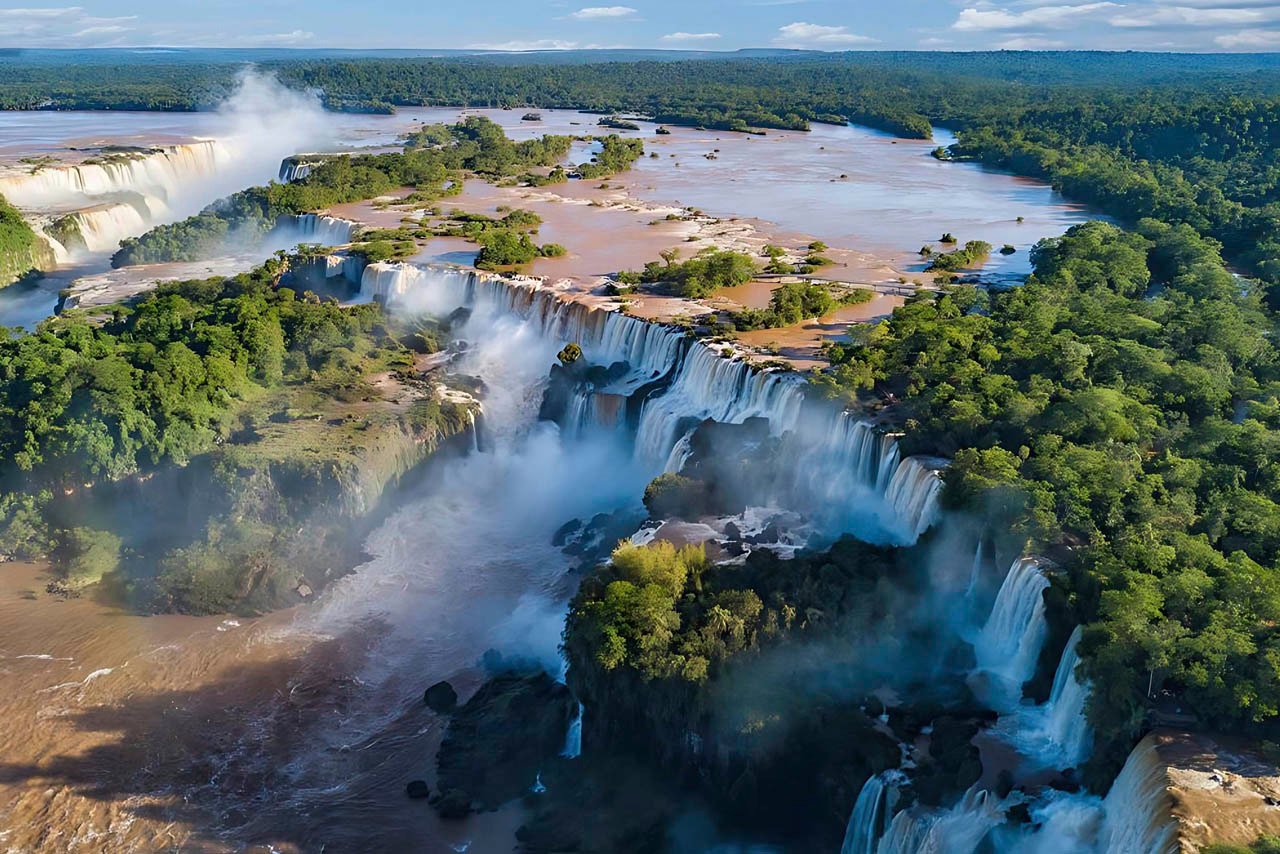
(573, 738)
(293, 169)
(974, 587)
(1066, 726)
(844, 467)
(871, 813)
(160, 173)
(959, 830)
(1009, 644)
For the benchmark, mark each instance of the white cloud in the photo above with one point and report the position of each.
(1188, 16)
(64, 26)
(1036, 18)
(41, 13)
(1029, 43)
(800, 34)
(517, 45)
(1249, 40)
(690, 37)
(289, 38)
(592, 13)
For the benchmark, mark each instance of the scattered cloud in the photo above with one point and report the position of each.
(690, 37)
(1249, 40)
(1166, 17)
(801, 34)
(62, 26)
(519, 46)
(593, 13)
(1035, 18)
(1029, 43)
(280, 39)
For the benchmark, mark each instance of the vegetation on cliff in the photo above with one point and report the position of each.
(22, 251)
(1125, 404)
(204, 428)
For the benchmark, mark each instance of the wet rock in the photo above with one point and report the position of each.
(453, 804)
(441, 698)
(417, 790)
(498, 741)
(564, 531)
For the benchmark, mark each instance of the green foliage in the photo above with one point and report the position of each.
(1123, 400)
(794, 302)
(569, 354)
(21, 250)
(84, 555)
(971, 255)
(616, 155)
(505, 247)
(1264, 845)
(700, 275)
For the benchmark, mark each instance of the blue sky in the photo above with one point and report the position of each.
(1209, 25)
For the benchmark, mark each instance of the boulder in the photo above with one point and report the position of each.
(441, 698)
(417, 790)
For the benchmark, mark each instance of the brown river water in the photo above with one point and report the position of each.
(297, 731)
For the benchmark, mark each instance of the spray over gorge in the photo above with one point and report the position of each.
(534, 454)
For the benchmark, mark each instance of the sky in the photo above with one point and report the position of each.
(1193, 25)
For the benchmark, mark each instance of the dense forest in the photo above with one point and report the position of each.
(1122, 404)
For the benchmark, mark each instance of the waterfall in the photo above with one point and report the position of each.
(1009, 645)
(311, 228)
(160, 173)
(913, 494)
(1139, 809)
(573, 738)
(292, 169)
(871, 813)
(102, 227)
(958, 830)
(1066, 726)
(845, 468)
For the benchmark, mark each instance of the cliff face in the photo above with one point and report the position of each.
(268, 518)
(1221, 789)
(22, 251)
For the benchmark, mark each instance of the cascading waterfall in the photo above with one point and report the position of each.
(1065, 723)
(913, 494)
(843, 464)
(1139, 809)
(160, 173)
(958, 830)
(573, 738)
(292, 169)
(102, 227)
(871, 813)
(312, 228)
(1009, 644)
